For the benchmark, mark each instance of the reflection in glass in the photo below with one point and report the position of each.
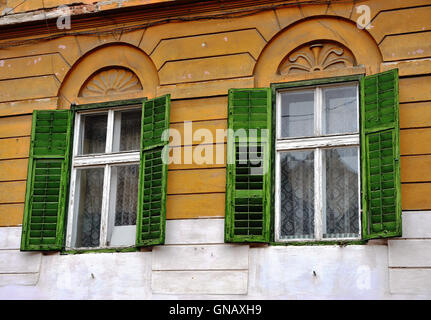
(340, 218)
(127, 130)
(340, 109)
(95, 127)
(297, 194)
(89, 190)
(297, 114)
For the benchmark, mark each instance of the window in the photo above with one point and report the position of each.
(317, 191)
(331, 163)
(114, 177)
(104, 178)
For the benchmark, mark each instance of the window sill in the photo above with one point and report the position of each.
(340, 243)
(102, 250)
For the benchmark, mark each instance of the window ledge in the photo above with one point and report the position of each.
(103, 250)
(340, 243)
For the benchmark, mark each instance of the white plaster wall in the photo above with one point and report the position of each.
(196, 264)
(17, 268)
(319, 272)
(409, 257)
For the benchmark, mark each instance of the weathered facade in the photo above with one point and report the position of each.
(197, 52)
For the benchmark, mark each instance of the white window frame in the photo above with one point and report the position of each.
(105, 160)
(316, 143)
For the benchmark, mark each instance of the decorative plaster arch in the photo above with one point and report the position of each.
(326, 29)
(118, 55)
(317, 56)
(110, 81)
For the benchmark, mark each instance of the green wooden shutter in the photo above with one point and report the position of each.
(248, 190)
(381, 184)
(47, 181)
(153, 174)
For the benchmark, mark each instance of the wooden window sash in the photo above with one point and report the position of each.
(106, 161)
(317, 143)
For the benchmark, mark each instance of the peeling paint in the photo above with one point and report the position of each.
(7, 11)
(36, 13)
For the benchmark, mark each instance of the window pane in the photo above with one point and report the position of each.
(340, 109)
(297, 194)
(297, 114)
(341, 219)
(89, 190)
(123, 205)
(94, 140)
(127, 130)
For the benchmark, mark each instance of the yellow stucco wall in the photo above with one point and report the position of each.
(197, 62)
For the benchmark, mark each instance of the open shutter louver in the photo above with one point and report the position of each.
(151, 222)
(47, 183)
(248, 177)
(381, 184)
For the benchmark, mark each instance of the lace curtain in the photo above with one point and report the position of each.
(340, 193)
(297, 194)
(91, 183)
(127, 195)
(342, 204)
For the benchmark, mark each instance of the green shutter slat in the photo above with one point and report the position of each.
(47, 181)
(151, 221)
(248, 175)
(51, 133)
(380, 96)
(381, 183)
(151, 230)
(155, 120)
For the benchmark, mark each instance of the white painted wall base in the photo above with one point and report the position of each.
(409, 257)
(200, 282)
(196, 264)
(319, 272)
(200, 269)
